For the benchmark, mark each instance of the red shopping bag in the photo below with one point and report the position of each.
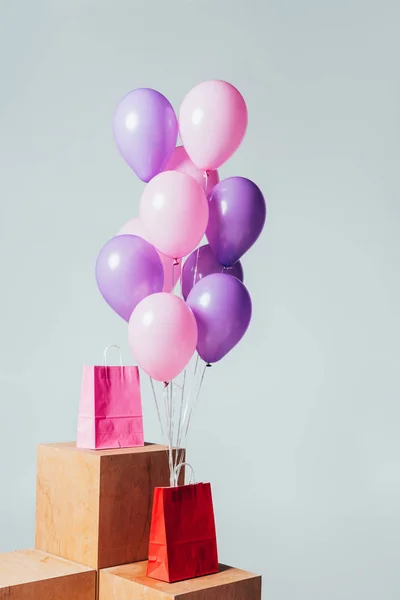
(110, 410)
(183, 541)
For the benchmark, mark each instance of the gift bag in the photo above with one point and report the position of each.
(110, 410)
(183, 541)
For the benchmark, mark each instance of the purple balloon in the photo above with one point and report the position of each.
(127, 270)
(237, 217)
(201, 263)
(222, 307)
(145, 130)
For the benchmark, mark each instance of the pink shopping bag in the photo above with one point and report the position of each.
(110, 410)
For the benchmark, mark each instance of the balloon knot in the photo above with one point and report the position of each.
(176, 262)
(208, 365)
(166, 384)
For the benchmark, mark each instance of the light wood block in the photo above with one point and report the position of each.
(129, 582)
(94, 506)
(35, 575)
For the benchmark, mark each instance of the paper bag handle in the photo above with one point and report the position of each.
(105, 355)
(177, 470)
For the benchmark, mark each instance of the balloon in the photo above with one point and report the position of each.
(180, 161)
(237, 217)
(201, 263)
(162, 335)
(145, 131)
(212, 123)
(172, 271)
(221, 305)
(127, 270)
(174, 213)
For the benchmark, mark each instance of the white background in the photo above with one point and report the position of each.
(298, 428)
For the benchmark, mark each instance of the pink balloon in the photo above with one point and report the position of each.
(181, 162)
(162, 335)
(174, 213)
(172, 272)
(212, 123)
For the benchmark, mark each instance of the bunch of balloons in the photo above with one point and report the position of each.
(138, 269)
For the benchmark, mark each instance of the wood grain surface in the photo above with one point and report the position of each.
(35, 575)
(129, 582)
(94, 506)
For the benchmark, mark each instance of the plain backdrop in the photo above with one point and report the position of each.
(298, 428)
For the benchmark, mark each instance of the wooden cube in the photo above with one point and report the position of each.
(94, 506)
(129, 582)
(35, 575)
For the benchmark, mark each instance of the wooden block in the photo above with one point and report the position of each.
(129, 582)
(94, 506)
(35, 575)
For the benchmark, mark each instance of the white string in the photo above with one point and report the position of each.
(181, 417)
(157, 407)
(178, 435)
(179, 444)
(194, 407)
(173, 406)
(105, 355)
(169, 430)
(176, 420)
(177, 472)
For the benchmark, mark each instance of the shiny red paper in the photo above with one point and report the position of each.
(183, 541)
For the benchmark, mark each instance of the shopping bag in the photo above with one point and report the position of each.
(183, 541)
(110, 410)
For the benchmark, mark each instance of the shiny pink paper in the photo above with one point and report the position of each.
(110, 410)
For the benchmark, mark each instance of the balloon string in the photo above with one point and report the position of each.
(194, 405)
(183, 436)
(173, 407)
(178, 435)
(181, 448)
(157, 407)
(166, 420)
(169, 429)
(180, 402)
